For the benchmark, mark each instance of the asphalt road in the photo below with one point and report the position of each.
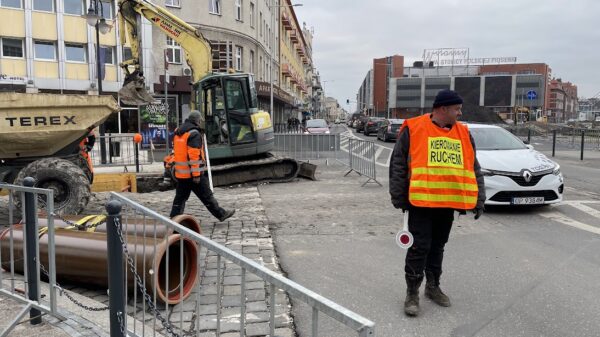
(514, 272)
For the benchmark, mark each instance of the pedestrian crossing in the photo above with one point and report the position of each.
(584, 208)
(383, 154)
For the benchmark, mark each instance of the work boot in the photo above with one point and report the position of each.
(433, 291)
(227, 215)
(411, 304)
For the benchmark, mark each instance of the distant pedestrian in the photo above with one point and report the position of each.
(189, 161)
(433, 172)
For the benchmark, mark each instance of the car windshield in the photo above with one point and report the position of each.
(316, 123)
(495, 139)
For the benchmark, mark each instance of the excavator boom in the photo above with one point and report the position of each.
(196, 48)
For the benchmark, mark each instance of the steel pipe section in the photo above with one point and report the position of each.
(81, 257)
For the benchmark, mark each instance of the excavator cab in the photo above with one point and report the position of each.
(228, 102)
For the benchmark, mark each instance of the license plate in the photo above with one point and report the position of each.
(528, 201)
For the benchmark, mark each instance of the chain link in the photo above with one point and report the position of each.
(165, 323)
(68, 222)
(71, 298)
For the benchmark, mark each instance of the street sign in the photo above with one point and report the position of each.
(531, 95)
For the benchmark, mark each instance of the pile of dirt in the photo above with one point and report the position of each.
(479, 114)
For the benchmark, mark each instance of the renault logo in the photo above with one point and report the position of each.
(527, 176)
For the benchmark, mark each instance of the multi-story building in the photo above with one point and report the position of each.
(494, 88)
(295, 59)
(563, 101)
(374, 92)
(47, 46)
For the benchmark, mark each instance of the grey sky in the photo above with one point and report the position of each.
(349, 34)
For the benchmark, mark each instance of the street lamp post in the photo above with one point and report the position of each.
(95, 19)
(272, 6)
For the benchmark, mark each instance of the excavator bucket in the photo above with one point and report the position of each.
(134, 91)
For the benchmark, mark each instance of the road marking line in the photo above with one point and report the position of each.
(568, 202)
(586, 209)
(556, 216)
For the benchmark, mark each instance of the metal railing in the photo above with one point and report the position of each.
(183, 249)
(20, 253)
(307, 146)
(360, 158)
(574, 138)
(121, 150)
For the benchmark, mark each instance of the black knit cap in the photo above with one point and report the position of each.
(447, 97)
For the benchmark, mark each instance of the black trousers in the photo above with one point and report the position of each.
(430, 228)
(202, 190)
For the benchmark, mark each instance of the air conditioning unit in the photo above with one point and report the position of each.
(186, 71)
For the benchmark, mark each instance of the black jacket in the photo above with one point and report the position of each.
(399, 168)
(195, 138)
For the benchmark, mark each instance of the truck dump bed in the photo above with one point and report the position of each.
(38, 125)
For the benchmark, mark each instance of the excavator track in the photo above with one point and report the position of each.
(270, 169)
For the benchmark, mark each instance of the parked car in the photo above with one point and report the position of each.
(353, 118)
(316, 126)
(389, 129)
(361, 123)
(372, 124)
(515, 173)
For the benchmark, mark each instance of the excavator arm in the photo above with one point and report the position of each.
(196, 48)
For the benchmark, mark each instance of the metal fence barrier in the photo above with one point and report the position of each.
(360, 157)
(121, 150)
(20, 253)
(307, 146)
(574, 138)
(186, 254)
(287, 128)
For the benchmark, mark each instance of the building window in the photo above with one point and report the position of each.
(252, 14)
(43, 5)
(173, 3)
(173, 51)
(75, 53)
(127, 55)
(11, 3)
(12, 47)
(109, 54)
(44, 50)
(106, 10)
(260, 64)
(238, 58)
(214, 6)
(252, 62)
(260, 23)
(238, 10)
(74, 7)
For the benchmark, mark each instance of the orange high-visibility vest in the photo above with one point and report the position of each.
(442, 173)
(189, 161)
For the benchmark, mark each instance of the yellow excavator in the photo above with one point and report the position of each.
(239, 135)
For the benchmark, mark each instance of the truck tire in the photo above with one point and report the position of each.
(70, 184)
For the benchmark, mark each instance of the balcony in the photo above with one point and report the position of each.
(286, 22)
(285, 70)
(294, 36)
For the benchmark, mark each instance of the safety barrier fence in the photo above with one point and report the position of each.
(184, 258)
(121, 150)
(361, 157)
(574, 138)
(20, 254)
(357, 154)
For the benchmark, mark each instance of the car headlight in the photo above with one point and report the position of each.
(487, 173)
(556, 170)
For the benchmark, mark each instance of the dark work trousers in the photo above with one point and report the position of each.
(430, 228)
(202, 190)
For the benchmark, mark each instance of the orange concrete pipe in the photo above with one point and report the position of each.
(135, 226)
(81, 257)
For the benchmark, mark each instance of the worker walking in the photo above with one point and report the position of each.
(434, 172)
(190, 164)
(85, 147)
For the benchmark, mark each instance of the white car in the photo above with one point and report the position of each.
(515, 174)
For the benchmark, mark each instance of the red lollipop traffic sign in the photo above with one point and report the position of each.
(404, 239)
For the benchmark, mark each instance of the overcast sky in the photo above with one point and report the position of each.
(349, 34)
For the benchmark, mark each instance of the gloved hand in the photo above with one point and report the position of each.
(478, 211)
(404, 205)
(196, 180)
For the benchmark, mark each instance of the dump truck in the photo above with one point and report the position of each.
(40, 136)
